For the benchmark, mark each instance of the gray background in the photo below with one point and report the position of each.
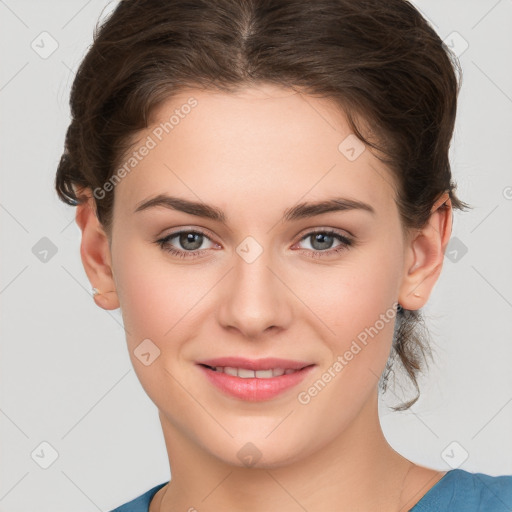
(65, 372)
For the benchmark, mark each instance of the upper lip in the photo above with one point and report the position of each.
(255, 364)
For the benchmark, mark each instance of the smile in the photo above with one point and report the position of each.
(254, 380)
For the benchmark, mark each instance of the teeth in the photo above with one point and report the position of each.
(263, 374)
(244, 373)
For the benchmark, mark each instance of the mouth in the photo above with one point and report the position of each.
(254, 380)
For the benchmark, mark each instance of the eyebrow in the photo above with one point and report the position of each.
(299, 211)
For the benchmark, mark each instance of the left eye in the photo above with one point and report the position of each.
(322, 242)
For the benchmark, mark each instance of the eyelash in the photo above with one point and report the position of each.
(345, 244)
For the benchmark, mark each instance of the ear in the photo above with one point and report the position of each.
(425, 255)
(95, 253)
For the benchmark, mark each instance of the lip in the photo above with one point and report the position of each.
(255, 389)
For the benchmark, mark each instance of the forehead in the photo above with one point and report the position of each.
(268, 144)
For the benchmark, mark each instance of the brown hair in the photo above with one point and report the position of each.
(380, 63)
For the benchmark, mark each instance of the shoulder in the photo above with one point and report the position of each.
(141, 503)
(468, 492)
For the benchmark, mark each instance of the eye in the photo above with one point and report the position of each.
(190, 240)
(321, 243)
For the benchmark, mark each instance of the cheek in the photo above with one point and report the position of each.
(357, 301)
(156, 296)
(351, 297)
(154, 306)
(160, 302)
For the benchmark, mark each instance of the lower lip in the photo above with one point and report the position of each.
(254, 389)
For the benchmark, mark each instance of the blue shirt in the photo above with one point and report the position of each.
(457, 491)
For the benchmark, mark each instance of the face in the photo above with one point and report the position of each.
(262, 277)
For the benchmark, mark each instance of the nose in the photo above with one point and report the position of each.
(254, 298)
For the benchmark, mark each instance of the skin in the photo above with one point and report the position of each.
(254, 154)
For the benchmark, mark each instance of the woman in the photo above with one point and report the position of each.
(264, 190)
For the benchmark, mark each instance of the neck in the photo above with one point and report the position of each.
(358, 470)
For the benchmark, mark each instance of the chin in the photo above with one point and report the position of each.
(258, 452)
